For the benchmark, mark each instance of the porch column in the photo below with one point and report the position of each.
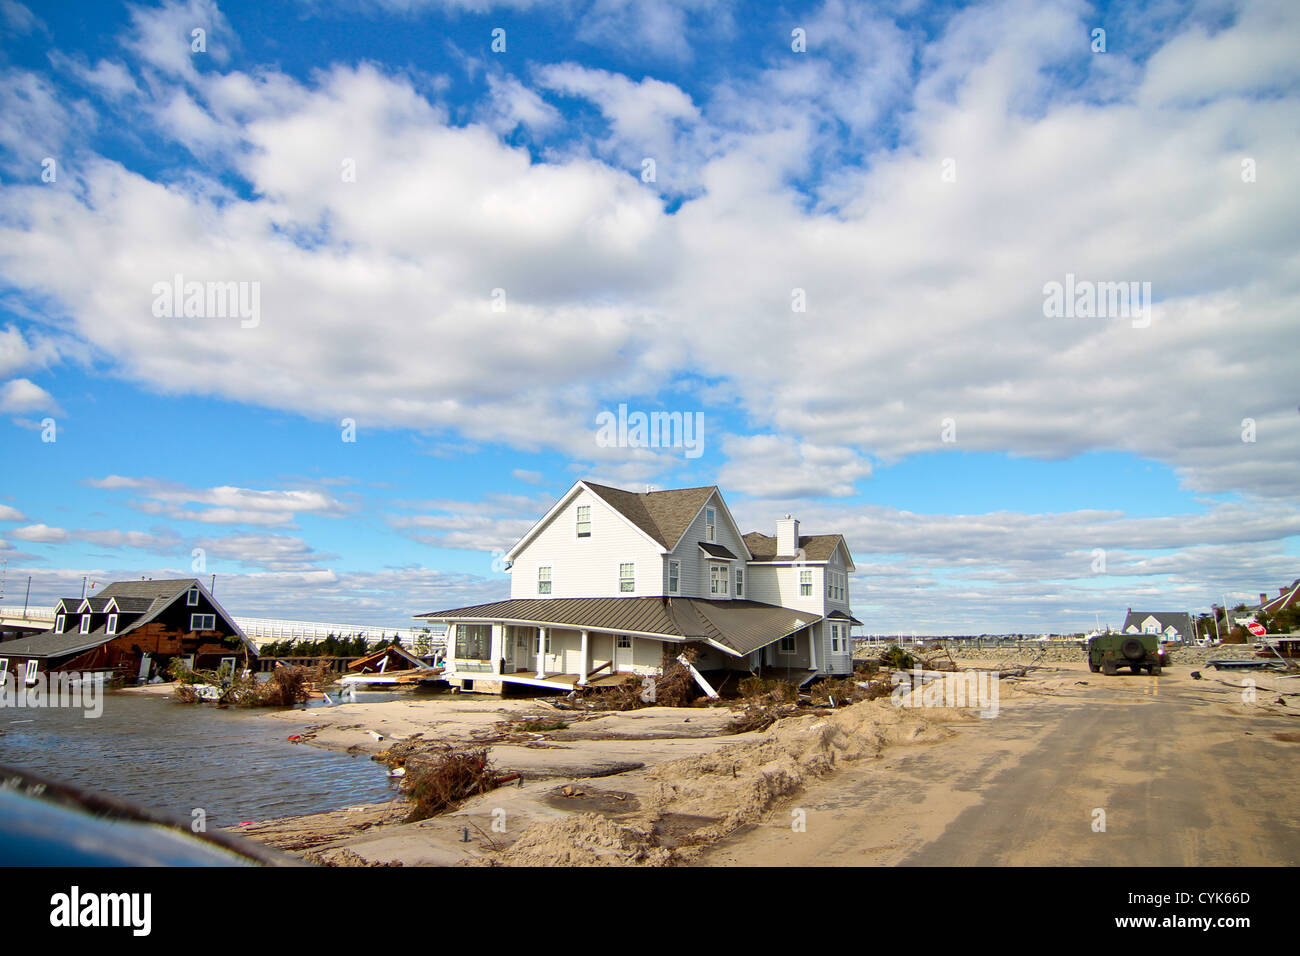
(584, 659)
(498, 632)
(812, 646)
(541, 651)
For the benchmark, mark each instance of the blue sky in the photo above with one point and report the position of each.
(840, 263)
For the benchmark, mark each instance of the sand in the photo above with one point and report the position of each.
(668, 786)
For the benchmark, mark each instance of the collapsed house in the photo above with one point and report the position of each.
(611, 582)
(130, 631)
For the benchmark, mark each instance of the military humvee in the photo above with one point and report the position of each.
(1109, 652)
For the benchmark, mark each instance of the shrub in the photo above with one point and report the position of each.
(897, 658)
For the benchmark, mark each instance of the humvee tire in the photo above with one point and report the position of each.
(1133, 650)
(1108, 667)
(1093, 667)
(1155, 670)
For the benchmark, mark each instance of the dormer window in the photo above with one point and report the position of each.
(192, 597)
(111, 627)
(59, 622)
(710, 523)
(584, 521)
(85, 624)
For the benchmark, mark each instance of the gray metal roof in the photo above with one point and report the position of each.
(738, 627)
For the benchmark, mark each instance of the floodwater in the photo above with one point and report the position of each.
(166, 756)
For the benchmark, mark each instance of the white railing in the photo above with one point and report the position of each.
(262, 630)
(32, 613)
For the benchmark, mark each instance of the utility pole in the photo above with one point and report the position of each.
(83, 587)
(28, 597)
(212, 588)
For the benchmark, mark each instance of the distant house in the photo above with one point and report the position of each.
(1170, 625)
(612, 582)
(1287, 598)
(132, 629)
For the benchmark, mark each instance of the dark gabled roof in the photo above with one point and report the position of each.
(97, 603)
(1181, 621)
(737, 627)
(663, 515)
(816, 547)
(49, 644)
(716, 550)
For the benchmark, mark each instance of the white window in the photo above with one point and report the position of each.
(710, 523)
(59, 622)
(4, 668)
(674, 576)
(627, 577)
(805, 584)
(31, 672)
(717, 579)
(543, 580)
(624, 640)
(584, 521)
(192, 597)
(85, 624)
(203, 622)
(835, 638)
(787, 645)
(740, 583)
(112, 624)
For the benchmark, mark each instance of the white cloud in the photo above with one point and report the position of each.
(40, 534)
(21, 396)
(225, 504)
(777, 466)
(9, 513)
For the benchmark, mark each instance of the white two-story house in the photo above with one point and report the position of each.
(611, 582)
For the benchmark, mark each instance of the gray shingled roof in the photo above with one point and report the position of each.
(663, 515)
(736, 626)
(816, 547)
(49, 644)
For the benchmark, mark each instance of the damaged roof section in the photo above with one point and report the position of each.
(736, 627)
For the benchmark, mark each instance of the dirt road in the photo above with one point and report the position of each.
(1184, 772)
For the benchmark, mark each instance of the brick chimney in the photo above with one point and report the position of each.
(787, 536)
(1263, 598)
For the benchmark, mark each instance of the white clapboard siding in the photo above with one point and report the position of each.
(587, 567)
(695, 567)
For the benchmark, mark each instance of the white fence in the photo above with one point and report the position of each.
(264, 630)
